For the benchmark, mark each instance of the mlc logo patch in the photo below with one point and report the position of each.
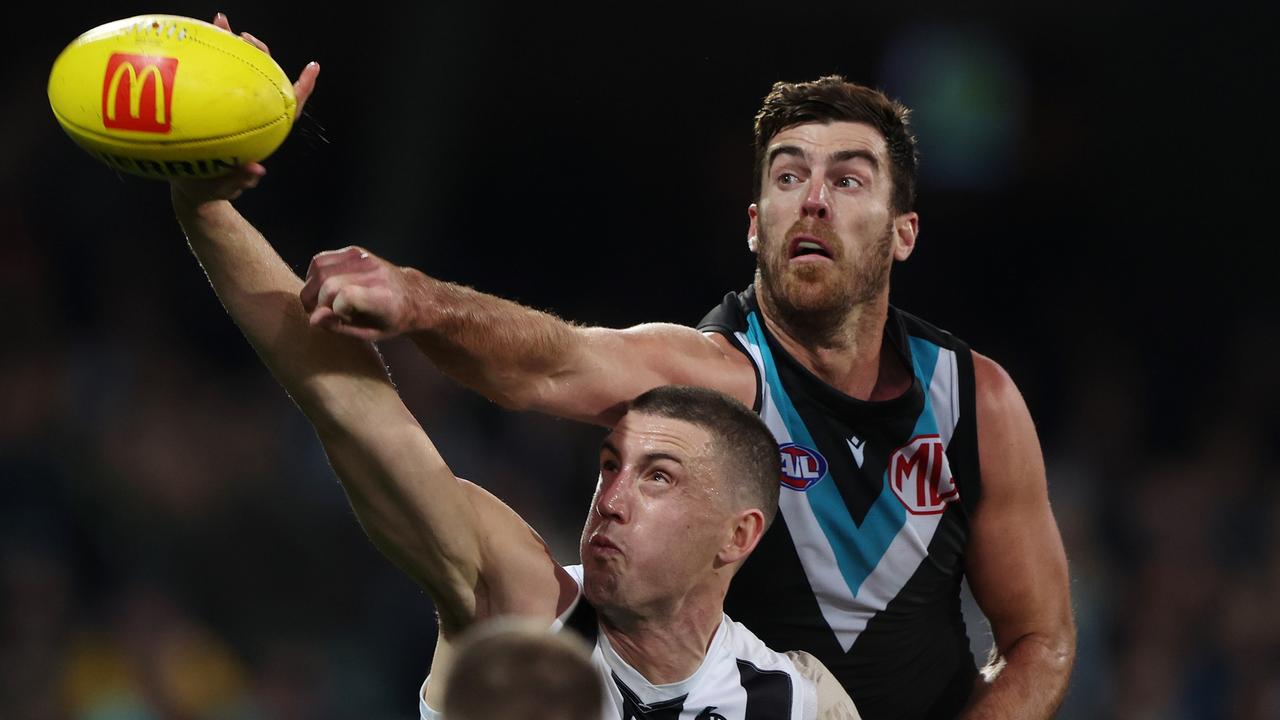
(802, 467)
(920, 476)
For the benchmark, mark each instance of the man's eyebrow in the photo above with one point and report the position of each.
(649, 458)
(791, 150)
(835, 157)
(843, 155)
(646, 459)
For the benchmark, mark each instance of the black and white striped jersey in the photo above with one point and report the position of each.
(739, 679)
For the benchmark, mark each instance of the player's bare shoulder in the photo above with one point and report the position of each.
(833, 702)
(994, 386)
(1008, 446)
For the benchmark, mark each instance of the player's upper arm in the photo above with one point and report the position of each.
(611, 367)
(461, 544)
(1015, 560)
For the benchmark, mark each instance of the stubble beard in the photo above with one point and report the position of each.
(815, 299)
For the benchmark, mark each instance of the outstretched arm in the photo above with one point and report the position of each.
(405, 496)
(514, 355)
(437, 528)
(1016, 563)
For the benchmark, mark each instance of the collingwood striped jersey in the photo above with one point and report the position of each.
(862, 567)
(739, 678)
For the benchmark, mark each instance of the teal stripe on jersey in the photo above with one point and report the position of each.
(924, 358)
(857, 548)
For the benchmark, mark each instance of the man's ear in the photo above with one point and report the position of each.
(747, 531)
(753, 244)
(905, 228)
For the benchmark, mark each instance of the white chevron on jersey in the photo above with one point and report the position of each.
(816, 554)
(911, 545)
(847, 610)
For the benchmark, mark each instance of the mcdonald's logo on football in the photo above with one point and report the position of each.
(137, 93)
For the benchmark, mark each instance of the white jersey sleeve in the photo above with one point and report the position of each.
(425, 710)
(831, 701)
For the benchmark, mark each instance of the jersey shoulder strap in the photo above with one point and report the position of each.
(729, 319)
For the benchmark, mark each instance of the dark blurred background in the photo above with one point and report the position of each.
(1096, 201)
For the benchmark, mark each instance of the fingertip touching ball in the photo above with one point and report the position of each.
(162, 96)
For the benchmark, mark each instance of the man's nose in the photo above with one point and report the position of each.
(817, 201)
(613, 502)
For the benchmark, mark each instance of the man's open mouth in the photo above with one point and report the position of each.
(807, 245)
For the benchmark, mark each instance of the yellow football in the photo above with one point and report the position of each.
(163, 96)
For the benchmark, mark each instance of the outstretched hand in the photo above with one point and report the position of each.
(229, 187)
(354, 292)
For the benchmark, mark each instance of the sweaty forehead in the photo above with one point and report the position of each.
(639, 434)
(820, 140)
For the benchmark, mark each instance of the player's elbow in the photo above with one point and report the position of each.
(1049, 648)
(444, 577)
(1059, 636)
(1055, 648)
(1060, 646)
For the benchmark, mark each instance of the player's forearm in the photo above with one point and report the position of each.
(331, 377)
(512, 354)
(1031, 684)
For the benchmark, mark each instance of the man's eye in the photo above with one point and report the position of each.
(661, 477)
(609, 466)
(848, 182)
(787, 179)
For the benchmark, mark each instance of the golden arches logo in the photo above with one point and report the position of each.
(135, 91)
(149, 112)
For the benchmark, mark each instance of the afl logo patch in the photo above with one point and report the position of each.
(801, 466)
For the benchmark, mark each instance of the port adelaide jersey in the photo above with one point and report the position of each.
(862, 567)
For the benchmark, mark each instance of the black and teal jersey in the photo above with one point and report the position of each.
(862, 567)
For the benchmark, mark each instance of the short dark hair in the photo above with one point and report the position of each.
(747, 451)
(831, 99)
(512, 669)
